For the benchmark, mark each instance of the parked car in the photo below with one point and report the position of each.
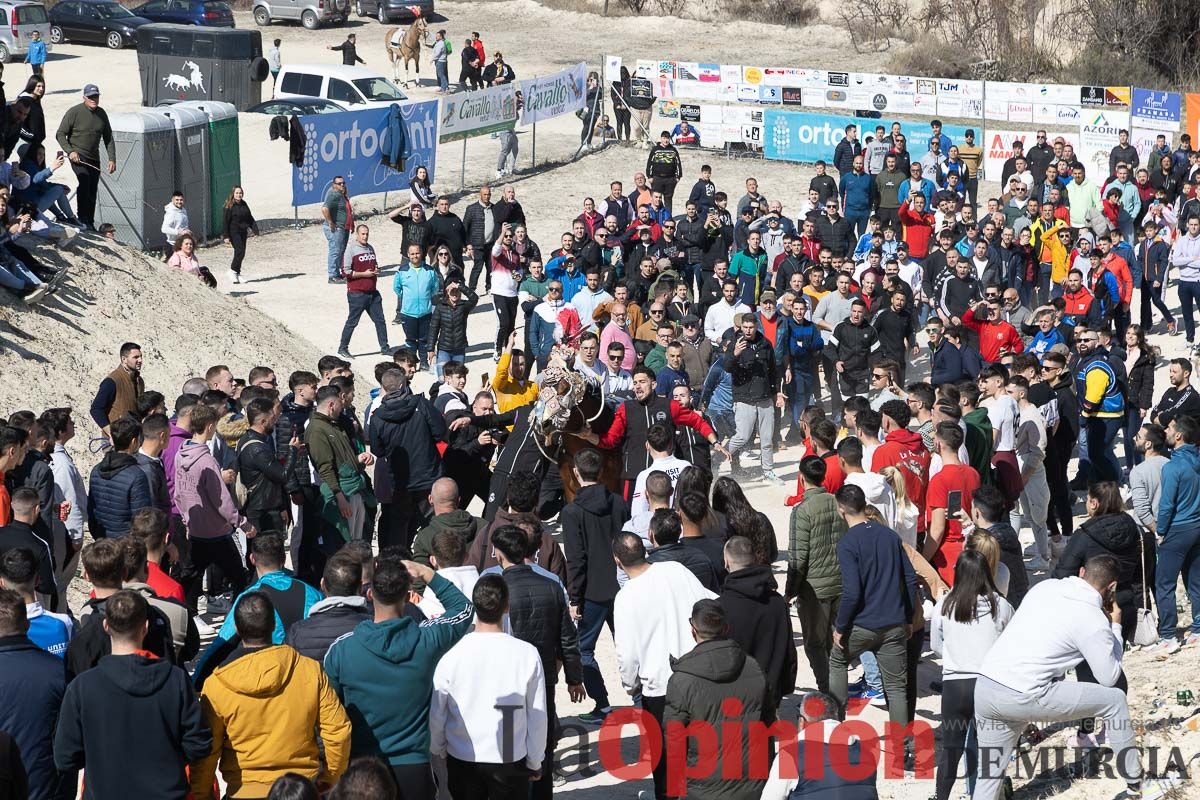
(393, 10)
(312, 14)
(300, 107)
(348, 86)
(100, 21)
(210, 13)
(17, 21)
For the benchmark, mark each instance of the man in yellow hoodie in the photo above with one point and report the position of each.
(512, 385)
(266, 709)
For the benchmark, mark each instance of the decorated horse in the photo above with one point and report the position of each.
(405, 45)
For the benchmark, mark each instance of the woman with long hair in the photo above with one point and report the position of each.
(620, 100)
(33, 130)
(741, 519)
(184, 255)
(1139, 367)
(239, 224)
(906, 511)
(983, 542)
(420, 192)
(966, 622)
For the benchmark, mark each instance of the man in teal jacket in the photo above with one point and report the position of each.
(1179, 531)
(383, 671)
(415, 285)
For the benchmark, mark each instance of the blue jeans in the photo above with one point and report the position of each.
(416, 334)
(14, 274)
(1189, 294)
(801, 391)
(859, 222)
(1100, 433)
(372, 304)
(445, 356)
(871, 674)
(591, 623)
(1179, 552)
(723, 422)
(443, 75)
(336, 241)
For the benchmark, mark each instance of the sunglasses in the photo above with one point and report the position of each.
(656, 311)
(554, 289)
(615, 356)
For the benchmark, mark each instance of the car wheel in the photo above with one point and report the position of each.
(261, 17)
(4, 53)
(114, 40)
(56, 35)
(381, 14)
(358, 9)
(310, 20)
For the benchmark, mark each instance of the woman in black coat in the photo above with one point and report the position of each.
(1139, 367)
(239, 224)
(448, 327)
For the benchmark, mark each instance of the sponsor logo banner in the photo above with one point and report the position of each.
(477, 113)
(548, 96)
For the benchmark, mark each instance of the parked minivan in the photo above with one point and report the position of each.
(17, 21)
(312, 14)
(353, 87)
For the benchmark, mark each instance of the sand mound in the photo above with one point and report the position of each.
(56, 354)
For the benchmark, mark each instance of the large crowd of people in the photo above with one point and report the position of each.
(383, 635)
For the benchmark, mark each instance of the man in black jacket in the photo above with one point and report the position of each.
(590, 523)
(294, 411)
(482, 229)
(750, 359)
(850, 349)
(338, 614)
(471, 447)
(349, 50)
(26, 530)
(835, 230)
(897, 329)
(689, 230)
(664, 166)
(260, 471)
(758, 619)
(539, 615)
(665, 531)
(108, 712)
(404, 431)
(445, 228)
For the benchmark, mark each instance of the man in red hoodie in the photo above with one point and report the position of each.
(1119, 267)
(917, 223)
(997, 338)
(905, 450)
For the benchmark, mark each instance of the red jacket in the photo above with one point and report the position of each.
(834, 478)
(994, 337)
(1120, 270)
(1077, 303)
(906, 451)
(680, 415)
(918, 230)
(811, 248)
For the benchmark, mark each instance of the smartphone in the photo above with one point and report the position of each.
(953, 503)
(60, 154)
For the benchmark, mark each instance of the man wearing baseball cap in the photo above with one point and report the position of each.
(82, 129)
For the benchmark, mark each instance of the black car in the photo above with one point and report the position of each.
(209, 13)
(100, 21)
(292, 105)
(393, 10)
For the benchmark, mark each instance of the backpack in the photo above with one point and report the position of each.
(241, 492)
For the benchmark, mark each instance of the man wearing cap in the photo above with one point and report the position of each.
(82, 129)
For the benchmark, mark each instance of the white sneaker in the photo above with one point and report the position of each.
(202, 627)
(35, 297)
(499, 174)
(1037, 564)
(770, 476)
(234, 277)
(1190, 639)
(1164, 647)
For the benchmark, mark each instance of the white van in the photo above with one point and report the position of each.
(352, 87)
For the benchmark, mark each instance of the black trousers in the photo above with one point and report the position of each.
(237, 238)
(481, 266)
(415, 781)
(657, 708)
(202, 553)
(543, 787)
(471, 780)
(623, 127)
(958, 713)
(411, 512)
(667, 187)
(85, 198)
(506, 319)
(1060, 519)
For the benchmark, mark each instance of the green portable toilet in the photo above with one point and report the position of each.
(225, 165)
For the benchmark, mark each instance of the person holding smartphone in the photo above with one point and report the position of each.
(948, 502)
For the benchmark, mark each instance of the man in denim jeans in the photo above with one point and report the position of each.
(339, 218)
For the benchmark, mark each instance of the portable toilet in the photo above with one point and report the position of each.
(191, 164)
(224, 157)
(133, 197)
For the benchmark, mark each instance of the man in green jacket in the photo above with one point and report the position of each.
(980, 442)
(383, 671)
(82, 129)
(814, 578)
(343, 485)
(887, 191)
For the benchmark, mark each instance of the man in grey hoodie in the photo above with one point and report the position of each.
(1145, 480)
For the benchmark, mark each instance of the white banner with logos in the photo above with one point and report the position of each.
(476, 113)
(997, 148)
(1098, 135)
(548, 96)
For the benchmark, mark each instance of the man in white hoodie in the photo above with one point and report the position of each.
(175, 222)
(652, 617)
(874, 485)
(1185, 254)
(1061, 624)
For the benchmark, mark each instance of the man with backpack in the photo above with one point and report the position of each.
(261, 484)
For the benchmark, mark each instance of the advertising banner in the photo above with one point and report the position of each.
(805, 137)
(477, 113)
(548, 96)
(997, 148)
(1156, 110)
(1098, 135)
(353, 144)
(1192, 106)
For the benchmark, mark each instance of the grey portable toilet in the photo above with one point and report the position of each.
(133, 197)
(224, 162)
(191, 164)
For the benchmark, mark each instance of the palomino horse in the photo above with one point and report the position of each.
(568, 405)
(407, 47)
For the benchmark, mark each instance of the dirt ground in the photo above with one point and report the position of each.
(286, 281)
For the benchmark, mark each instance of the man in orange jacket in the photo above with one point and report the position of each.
(997, 338)
(1120, 270)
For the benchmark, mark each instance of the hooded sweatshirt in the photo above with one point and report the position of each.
(759, 621)
(1060, 625)
(137, 720)
(905, 450)
(1179, 507)
(201, 496)
(879, 494)
(459, 520)
(404, 430)
(368, 668)
(175, 222)
(263, 709)
(175, 441)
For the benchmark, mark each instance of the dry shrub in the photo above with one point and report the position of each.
(872, 24)
(928, 56)
(1095, 67)
(792, 13)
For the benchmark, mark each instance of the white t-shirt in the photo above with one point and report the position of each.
(670, 465)
(1003, 414)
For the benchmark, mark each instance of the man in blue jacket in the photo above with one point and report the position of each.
(1179, 531)
(118, 488)
(801, 349)
(383, 672)
(855, 189)
(945, 358)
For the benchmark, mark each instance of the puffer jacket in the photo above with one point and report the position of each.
(759, 621)
(327, 621)
(117, 489)
(694, 559)
(814, 533)
(1012, 555)
(404, 430)
(538, 613)
(448, 326)
(293, 418)
(853, 345)
(263, 709)
(703, 680)
(1116, 535)
(1141, 381)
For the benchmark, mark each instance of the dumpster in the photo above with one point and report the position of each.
(224, 157)
(133, 197)
(187, 62)
(191, 164)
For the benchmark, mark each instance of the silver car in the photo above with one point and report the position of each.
(312, 14)
(17, 21)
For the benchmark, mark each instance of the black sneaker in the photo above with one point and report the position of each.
(337, 279)
(387, 350)
(219, 605)
(594, 717)
(344, 353)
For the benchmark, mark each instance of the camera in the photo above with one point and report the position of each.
(499, 435)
